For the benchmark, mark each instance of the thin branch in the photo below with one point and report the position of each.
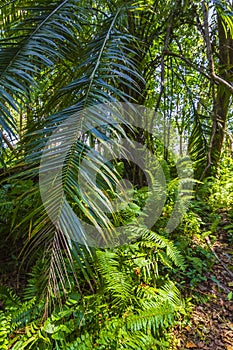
(166, 43)
(217, 257)
(207, 38)
(212, 82)
(201, 70)
(223, 82)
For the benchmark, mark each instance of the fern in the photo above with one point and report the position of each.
(115, 281)
(5, 330)
(85, 342)
(161, 242)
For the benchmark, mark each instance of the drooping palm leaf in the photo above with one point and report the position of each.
(107, 62)
(33, 37)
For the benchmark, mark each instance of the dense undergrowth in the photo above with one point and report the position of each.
(136, 293)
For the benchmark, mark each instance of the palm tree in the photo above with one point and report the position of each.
(60, 57)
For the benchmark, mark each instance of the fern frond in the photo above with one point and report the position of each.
(171, 251)
(5, 330)
(115, 281)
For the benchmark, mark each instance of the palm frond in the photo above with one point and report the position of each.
(106, 62)
(34, 38)
(198, 142)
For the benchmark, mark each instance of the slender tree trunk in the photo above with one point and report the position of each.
(222, 99)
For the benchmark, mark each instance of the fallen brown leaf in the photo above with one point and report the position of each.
(229, 347)
(191, 345)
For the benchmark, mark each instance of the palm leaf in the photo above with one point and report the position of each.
(105, 64)
(34, 37)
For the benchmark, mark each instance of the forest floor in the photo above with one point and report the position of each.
(210, 326)
(211, 323)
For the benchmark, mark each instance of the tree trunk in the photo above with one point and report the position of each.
(222, 99)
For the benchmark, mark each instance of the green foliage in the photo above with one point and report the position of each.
(5, 330)
(219, 191)
(57, 58)
(131, 309)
